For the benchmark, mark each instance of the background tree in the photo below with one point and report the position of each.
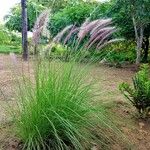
(137, 14)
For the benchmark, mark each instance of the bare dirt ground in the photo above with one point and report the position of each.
(108, 80)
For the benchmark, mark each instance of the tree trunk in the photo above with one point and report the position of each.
(139, 39)
(35, 50)
(24, 30)
(138, 52)
(146, 48)
(139, 46)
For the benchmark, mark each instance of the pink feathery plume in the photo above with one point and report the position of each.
(86, 29)
(105, 37)
(109, 42)
(87, 21)
(59, 36)
(40, 26)
(73, 31)
(100, 34)
(36, 36)
(101, 24)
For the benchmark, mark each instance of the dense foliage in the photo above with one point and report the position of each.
(77, 14)
(120, 53)
(4, 36)
(70, 15)
(122, 12)
(122, 20)
(9, 41)
(9, 37)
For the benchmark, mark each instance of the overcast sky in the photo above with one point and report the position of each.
(7, 4)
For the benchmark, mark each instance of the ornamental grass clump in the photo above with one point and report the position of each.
(55, 110)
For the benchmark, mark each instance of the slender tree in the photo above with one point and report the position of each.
(134, 15)
(24, 30)
(140, 13)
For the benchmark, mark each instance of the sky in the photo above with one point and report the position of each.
(7, 4)
(5, 7)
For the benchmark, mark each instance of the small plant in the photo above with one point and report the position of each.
(139, 95)
(58, 49)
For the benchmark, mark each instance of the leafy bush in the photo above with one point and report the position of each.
(10, 41)
(101, 10)
(121, 52)
(139, 95)
(9, 37)
(115, 54)
(58, 50)
(4, 36)
(16, 38)
(76, 13)
(56, 111)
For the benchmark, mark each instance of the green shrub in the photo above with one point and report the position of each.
(9, 37)
(58, 50)
(4, 36)
(121, 52)
(139, 95)
(9, 41)
(115, 54)
(16, 38)
(77, 13)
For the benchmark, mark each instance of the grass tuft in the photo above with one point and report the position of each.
(56, 111)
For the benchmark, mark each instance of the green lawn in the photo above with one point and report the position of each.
(10, 48)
